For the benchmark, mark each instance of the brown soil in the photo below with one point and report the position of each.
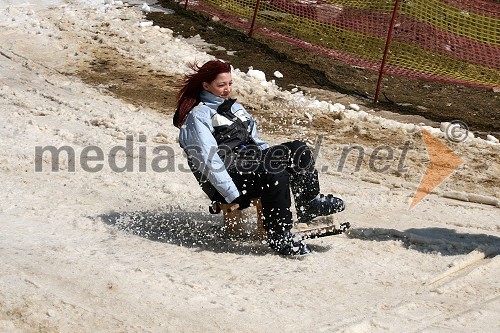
(129, 79)
(477, 107)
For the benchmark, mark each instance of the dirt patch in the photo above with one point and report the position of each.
(129, 79)
(477, 107)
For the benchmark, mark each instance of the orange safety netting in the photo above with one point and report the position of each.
(454, 41)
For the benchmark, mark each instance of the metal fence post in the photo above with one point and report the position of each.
(387, 44)
(186, 4)
(257, 5)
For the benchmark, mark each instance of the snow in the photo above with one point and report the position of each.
(113, 250)
(354, 107)
(491, 138)
(278, 74)
(339, 107)
(259, 75)
(145, 8)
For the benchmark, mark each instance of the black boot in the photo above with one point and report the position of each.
(288, 244)
(321, 205)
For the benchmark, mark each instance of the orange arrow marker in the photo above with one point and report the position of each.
(442, 163)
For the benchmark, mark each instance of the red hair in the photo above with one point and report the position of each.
(189, 94)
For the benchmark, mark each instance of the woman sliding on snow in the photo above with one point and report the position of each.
(233, 165)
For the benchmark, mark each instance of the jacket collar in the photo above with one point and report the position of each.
(210, 99)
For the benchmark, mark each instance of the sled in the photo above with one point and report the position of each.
(245, 223)
(241, 223)
(322, 231)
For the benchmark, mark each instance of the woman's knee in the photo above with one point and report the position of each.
(301, 156)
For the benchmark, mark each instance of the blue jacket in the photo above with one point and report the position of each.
(197, 139)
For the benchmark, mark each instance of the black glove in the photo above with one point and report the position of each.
(242, 201)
